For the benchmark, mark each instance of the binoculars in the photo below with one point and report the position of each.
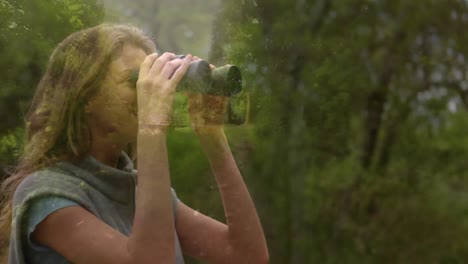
(200, 78)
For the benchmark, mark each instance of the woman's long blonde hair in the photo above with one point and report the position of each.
(56, 126)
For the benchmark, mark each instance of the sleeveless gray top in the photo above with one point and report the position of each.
(106, 192)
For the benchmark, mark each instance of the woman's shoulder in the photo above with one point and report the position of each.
(46, 177)
(46, 182)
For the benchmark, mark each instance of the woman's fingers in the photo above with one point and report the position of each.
(159, 64)
(167, 67)
(146, 65)
(161, 69)
(180, 72)
(170, 67)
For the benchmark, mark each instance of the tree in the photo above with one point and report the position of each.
(348, 96)
(29, 31)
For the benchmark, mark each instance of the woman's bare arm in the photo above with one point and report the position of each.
(240, 241)
(81, 237)
(153, 232)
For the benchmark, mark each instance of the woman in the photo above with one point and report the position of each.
(73, 197)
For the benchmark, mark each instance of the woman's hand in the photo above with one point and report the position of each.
(206, 111)
(157, 81)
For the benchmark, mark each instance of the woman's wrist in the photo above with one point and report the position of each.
(152, 129)
(152, 122)
(213, 142)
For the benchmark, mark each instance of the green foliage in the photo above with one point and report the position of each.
(11, 146)
(360, 128)
(29, 31)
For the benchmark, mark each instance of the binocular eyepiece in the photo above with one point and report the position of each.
(200, 78)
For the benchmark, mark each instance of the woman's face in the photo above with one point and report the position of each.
(112, 112)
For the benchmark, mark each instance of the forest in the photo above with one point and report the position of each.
(351, 131)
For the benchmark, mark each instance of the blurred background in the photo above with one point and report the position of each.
(351, 132)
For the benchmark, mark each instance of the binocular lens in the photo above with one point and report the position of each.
(227, 80)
